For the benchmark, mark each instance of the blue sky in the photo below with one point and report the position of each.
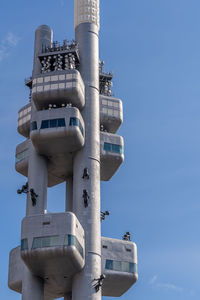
(153, 48)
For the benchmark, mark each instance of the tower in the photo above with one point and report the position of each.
(70, 127)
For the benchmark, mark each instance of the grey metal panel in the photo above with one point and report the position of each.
(110, 161)
(117, 283)
(58, 87)
(24, 118)
(111, 113)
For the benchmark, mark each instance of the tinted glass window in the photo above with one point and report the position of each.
(73, 122)
(107, 147)
(61, 123)
(121, 266)
(22, 155)
(53, 123)
(79, 247)
(33, 126)
(71, 240)
(125, 266)
(117, 265)
(45, 124)
(24, 244)
(133, 268)
(109, 264)
(113, 148)
(48, 241)
(76, 122)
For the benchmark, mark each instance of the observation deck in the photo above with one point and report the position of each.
(61, 252)
(57, 131)
(119, 264)
(60, 159)
(58, 87)
(112, 154)
(41, 251)
(111, 113)
(24, 118)
(16, 270)
(21, 157)
(53, 248)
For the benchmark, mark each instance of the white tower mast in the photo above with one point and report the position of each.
(70, 126)
(87, 36)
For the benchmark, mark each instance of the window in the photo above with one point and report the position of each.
(113, 148)
(125, 266)
(117, 265)
(73, 122)
(109, 264)
(47, 241)
(24, 244)
(33, 126)
(121, 266)
(133, 268)
(45, 124)
(61, 122)
(76, 122)
(53, 123)
(71, 240)
(21, 155)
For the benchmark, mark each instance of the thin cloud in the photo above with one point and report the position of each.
(12, 39)
(169, 286)
(9, 42)
(164, 285)
(153, 279)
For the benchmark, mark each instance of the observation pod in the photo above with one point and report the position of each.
(21, 157)
(24, 118)
(58, 87)
(57, 131)
(112, 154)
(53, 247)
(111, 113)
(119, 264)
(58, 168)
(16, 269)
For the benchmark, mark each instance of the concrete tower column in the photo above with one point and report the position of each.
(69, 194)
(32, 286)
(88, 212)
(37, 169)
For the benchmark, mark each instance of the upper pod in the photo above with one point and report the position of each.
(59, 88)
(55, 79)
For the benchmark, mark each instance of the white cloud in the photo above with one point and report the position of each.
(169, 286)
(153, 279)
(10, 41)
(164, 285)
